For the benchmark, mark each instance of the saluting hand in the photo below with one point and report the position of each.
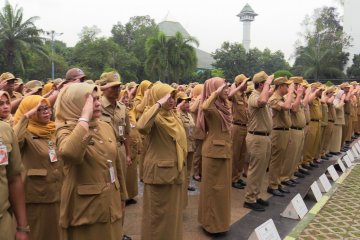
(2, 84)
(88, 108)
(291, 88)
(300, 90)
(33, 111)
(220, 88)
(163, 101)
(269, 80)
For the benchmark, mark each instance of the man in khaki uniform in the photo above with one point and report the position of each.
(296, 143)
(346, 87)
(280, 134)
(7, 80)
(327, 127)
(312, 139)
(239, 129)
(258, 141)
(116, 115)
(11, 186)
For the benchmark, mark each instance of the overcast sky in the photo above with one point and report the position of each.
(211, 21)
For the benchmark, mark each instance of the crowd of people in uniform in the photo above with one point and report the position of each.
(72, 151)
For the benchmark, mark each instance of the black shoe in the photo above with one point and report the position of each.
(288, 183)
(335, 153)
(307, 167)
(130, 201)
(125, 237)
(254, 206)
(295, 181)
(275, 192)
(314, 165)
(242, 182)
(237, 185)
(328, 155)
(299, 175)
(304, 171)
(190, 188)
(283, 189)
(353, 137)
(347, 142)
(325, 158)
(262, 202)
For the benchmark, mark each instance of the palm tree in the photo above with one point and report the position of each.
(170, 59)
(18, 35)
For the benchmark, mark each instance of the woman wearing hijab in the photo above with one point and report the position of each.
(5, 108)
(43, 170)
(134, 141)
(94, 191)
(214, 120)
(198, 134)
(164, 166)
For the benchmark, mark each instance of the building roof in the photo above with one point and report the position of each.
(171, 27)
(247, 10)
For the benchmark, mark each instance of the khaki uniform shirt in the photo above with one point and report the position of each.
(281, 118)
(194, 109)
(14, 166)
(189, 125)
(117, 117)
(298, 118)
(160, 161)
(239, 108)
(260, 119)
(43, 178)
(93, 187)
(331, 112)
(324, 114)
(315, 109)
(340, 114)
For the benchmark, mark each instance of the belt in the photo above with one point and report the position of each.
(315, 120)
(239, 124)
(297, 128)
(259, 133)
(347, 113)
(281, 129)
(331, 121)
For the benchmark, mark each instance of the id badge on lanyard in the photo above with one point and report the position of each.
(4, 159)
(111, 171)
(52, 152)
(121, 131)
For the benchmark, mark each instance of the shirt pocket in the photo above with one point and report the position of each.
(36, 185)
(90, 204)
(165, 172)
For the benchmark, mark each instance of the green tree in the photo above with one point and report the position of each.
(354, 70)
(170, 59)
(321, 55)
(133, 35)
(17, 36)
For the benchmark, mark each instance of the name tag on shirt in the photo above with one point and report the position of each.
(4, 160)
(112, 174)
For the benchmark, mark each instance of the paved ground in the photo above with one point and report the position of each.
(245, 221)
(340, 217)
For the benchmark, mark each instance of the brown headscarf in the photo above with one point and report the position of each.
(70, 103)
(140, 91)
(9, 119)
(223, 107)
(44, 130)
(169, 121)
(197, 91)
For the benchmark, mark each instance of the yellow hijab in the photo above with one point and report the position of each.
(47, 88)
(169, 121)
(9, 119)
(44, 130)
(70, 103)
(144, 85)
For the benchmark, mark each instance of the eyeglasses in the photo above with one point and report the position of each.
(44, 109)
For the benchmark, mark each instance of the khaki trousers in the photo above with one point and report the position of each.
(189, 160)
(197, 157)
(132, 178)
(335, 142)
(293, 154)
(326, 138)
(279, 143)
(6, 226)
(312, 142)
(239, 151)
(345, 129)
(259, 148)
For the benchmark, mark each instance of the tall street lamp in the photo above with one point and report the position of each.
(52, 35)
